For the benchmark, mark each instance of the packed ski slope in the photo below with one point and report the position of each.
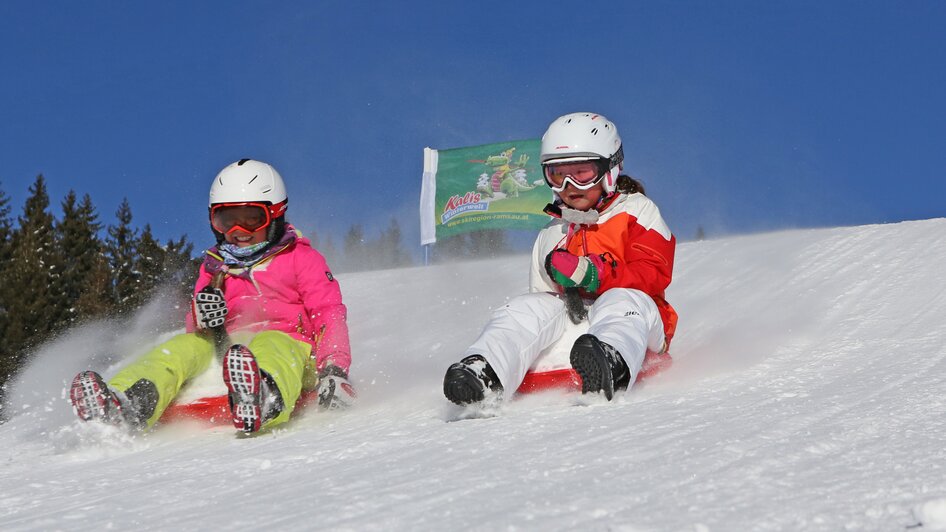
(808, 393)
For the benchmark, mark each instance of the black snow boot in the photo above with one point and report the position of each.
(141, 400)
(471, 380)
(600, 366)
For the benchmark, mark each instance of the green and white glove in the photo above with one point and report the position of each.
(569, 270)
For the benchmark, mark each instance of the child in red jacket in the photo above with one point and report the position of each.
(607, 253)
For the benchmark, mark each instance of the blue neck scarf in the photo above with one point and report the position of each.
(233, 253)
(245, 257)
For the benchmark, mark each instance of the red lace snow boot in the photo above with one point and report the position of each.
(253, 395)
(92, 399)
(242, 376)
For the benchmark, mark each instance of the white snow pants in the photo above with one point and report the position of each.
(518, 332)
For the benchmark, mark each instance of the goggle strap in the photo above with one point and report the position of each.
(617, 158)
(278, 209)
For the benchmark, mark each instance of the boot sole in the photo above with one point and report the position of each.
(242, 376)
(591, 363)
(88, 396)
(461, 386)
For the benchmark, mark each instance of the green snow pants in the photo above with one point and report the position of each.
(183, 357)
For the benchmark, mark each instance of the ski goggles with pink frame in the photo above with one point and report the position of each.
(581, 174)
(248, 217)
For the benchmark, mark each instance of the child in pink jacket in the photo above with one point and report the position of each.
(263, 286)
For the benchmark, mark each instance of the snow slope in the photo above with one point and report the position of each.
(809, 393)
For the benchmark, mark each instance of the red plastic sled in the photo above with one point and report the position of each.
(566, 379)
(215, 411)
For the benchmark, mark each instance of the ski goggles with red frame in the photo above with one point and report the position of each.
(248, 217)
(581, 174)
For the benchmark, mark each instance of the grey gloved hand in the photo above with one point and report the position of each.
(334, 389)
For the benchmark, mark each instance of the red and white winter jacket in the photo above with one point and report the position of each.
(634, 241)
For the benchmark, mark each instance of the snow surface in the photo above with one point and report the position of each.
(808, 393)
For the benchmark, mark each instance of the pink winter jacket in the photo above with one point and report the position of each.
(292, 291)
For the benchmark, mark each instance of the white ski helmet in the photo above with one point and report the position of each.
(583, 137)
(251, 181)
(247, 180)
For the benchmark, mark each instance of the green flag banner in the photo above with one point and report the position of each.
(492, 186)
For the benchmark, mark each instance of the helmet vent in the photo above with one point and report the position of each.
(242, 161)
(254, 179)
(594, 131)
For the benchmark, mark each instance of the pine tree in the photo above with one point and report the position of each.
(700, 233)
(452, 248)
(120, 249)
(356, 252)
(80, 246)
(149, 267)
(390, 248)
(180, 268)
(57, 273)
(95, 300)
(488, 243)
(33, 270)
(325, 247)
(164, 266)
(6, 227)
(6, 232)
(330, 253)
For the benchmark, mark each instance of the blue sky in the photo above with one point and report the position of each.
(739, 116)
